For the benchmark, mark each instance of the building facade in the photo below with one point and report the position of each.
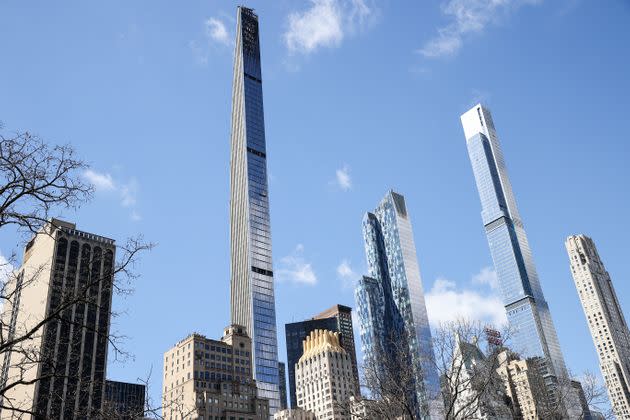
(472, 389)
(251, 285)
(294, 414)
(390, 301)
(124, 401)
(324, 378)
(533, 332)
(605, 320)
(338, 318)
(212, 379)
(65, 274)
(520, 380)
(282, 384)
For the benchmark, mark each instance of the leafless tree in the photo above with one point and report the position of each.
(37, 181)
(596, 394)
(468, 377)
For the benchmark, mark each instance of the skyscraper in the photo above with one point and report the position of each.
(527, 311)
(65, 282)
(123, 400)
(337, 319)
(282, 384)
(605, 320)
(390, 302)
(252, 289)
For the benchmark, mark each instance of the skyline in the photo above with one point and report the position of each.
(567, 142)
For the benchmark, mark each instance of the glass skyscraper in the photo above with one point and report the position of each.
(252, 289)
(390, 302)
(533, 332)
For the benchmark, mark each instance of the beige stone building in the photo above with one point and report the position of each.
(64, 285)
(324, 377)
(605, 320)
(519, 378)
(207, 379)
(294, 414)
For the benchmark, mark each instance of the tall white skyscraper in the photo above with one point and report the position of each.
(605, 320)
(252, 289)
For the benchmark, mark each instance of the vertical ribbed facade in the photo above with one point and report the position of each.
(252, 289)
(62, 365)
(390, 302)
(605, 320)
(533, 332)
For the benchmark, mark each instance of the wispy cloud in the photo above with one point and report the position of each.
(346, 274)
(487, 276)
(100, 181)
(445, 302)
(215, 36)
(127, 192)
(325, 24)
(342, 178)
(467, 17)
(295, 269)
(216, 31)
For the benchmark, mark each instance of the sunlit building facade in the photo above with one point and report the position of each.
(533, 332)
(252, 287)
(605, 320)
(390, 301)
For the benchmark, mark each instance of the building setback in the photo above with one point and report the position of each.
(324, 378)
(61, 265)
(338, 318)
(123, 400)
(605, 320)
(534, 334)
(212, 379)
(390, 302)
(251, 285)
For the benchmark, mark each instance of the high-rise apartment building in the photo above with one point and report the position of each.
(605, 320)
(533, 332)
(338, 318)
(65, 282)
(282, 384)
(520, 379)
(390, 302)
(252, 288)
(324, 378)
(124, 401)
(212, 379)
(294, 414)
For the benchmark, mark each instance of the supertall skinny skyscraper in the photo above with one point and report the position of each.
(527, 311)
(390, 304)
(252, 289)
(605, 320)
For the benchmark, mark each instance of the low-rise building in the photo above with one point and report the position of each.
(324, 377)
(212, 379)
(294, 414)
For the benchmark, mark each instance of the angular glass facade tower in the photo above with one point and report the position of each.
(527, 311)
(251, 287)
(390, 301)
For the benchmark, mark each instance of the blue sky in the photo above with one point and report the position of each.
(360, 96)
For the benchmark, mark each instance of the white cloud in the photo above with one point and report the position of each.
(216, 31)
(127, 192)
(343, 178)
(487, 276)
(446, 303)
(325, 24)
(100, 181)
(295, 269)
(346, 274)
(467, 17)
